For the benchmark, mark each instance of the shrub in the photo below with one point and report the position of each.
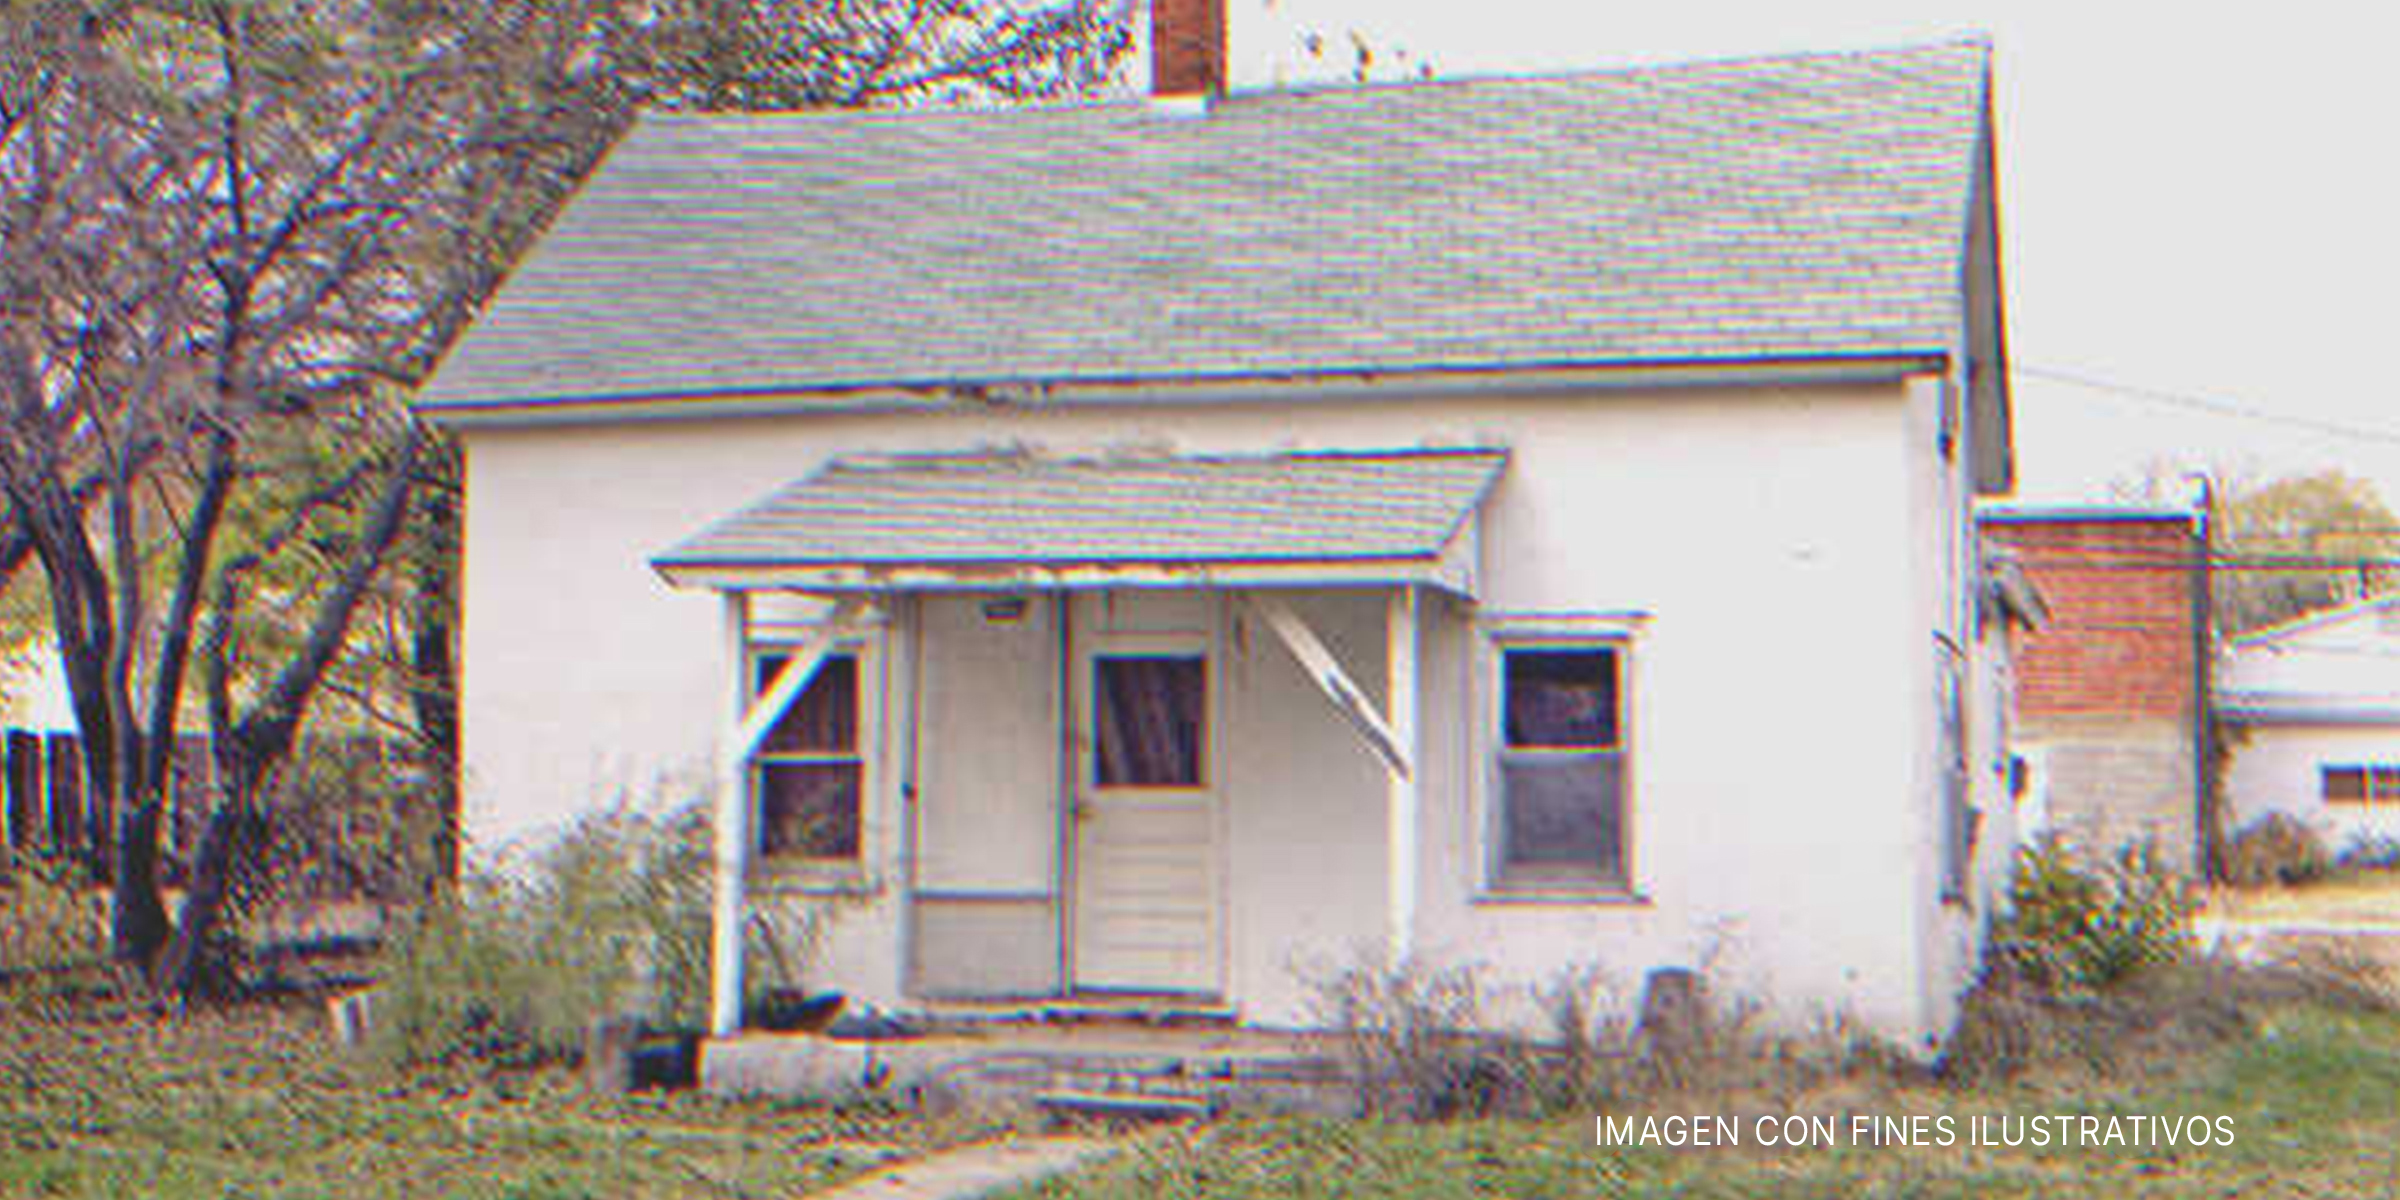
(2370, 851)
(2071, 927)
(2276, 849)
(610, 920)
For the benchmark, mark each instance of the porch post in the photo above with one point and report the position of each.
(733, 829)
(1402, 797)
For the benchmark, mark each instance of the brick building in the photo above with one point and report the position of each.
(2109, 714)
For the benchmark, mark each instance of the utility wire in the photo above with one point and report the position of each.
(2215, 405)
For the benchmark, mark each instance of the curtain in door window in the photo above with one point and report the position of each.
(1149, 718)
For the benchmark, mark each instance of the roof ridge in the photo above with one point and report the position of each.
(1135, 105)
(1114, 458)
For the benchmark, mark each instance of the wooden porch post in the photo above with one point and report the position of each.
(1402, 794)
(733, 829)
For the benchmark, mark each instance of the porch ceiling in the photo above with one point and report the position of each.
(1002, 521)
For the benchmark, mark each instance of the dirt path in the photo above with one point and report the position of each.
(976, 1170)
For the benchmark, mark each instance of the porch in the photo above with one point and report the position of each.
(1018, 730)
(1104, 1068)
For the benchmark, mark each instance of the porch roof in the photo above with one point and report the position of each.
(1000, 521)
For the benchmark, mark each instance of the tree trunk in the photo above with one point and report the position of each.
(250, 753)
(434, 694)
(138, 913)
(181, 970)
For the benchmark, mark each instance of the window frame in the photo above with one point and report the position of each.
(1502, 635)
(2371, 792)
(811, 872)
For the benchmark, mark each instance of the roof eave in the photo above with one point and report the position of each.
(1430, 383)
(1446, 571)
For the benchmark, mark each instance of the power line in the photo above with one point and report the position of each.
(2214, 405)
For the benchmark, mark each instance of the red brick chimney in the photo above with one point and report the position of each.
(1187, 47)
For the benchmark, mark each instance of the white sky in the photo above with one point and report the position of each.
(2196, 199)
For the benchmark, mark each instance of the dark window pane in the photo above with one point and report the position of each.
(823, 719)
(808, 810)
(2345, 783)
(2385, 784)
(1562, 818)
(1561, 698)
(1149, 718)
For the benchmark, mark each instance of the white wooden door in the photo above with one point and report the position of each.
(1144, 831)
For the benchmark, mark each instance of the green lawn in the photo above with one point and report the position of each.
(2314, 1101)
(257, 1103)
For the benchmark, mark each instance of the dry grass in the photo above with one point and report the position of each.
(2307, 1088)
(100, 1098)
(2360, 898)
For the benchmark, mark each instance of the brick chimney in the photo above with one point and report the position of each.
(1187, 48)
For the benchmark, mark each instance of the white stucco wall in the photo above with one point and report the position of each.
(2275, 770)
(1777, 541)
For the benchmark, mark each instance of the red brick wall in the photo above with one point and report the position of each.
(1187, 47)
(2119, 639)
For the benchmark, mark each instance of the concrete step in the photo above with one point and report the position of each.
(1125, 1106)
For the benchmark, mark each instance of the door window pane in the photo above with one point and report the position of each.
(1149, 721)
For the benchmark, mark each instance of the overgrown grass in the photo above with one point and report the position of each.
(99, 1098)
(2309, 1096)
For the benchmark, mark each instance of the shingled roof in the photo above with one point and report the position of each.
(1799, 207)
(1172, 512)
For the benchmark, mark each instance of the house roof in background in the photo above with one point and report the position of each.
(2077, 513)
(2309, 622)
(1806, 207)
(1165, 512)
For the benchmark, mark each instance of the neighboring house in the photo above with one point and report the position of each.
(2109, 706)
(2311, 713)
(1151, 549)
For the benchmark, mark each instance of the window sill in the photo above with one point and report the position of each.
(1589, 895)
(809, 877)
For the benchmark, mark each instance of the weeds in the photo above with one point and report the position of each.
(2276, 849)
(611, 920)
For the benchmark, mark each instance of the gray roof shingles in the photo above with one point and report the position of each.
(1403, 504)
(1802, 206)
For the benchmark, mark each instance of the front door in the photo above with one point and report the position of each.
(1144, 828)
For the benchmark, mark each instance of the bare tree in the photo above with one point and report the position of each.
(232, 232)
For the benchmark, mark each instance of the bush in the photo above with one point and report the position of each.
(2370, 851)
(2072, 928)
(2276, 849)
(611, 920)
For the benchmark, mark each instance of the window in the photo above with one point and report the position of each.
(1559, 792)
(1960, 821)
(2353, 784)
(808, 774)
(1149, 722)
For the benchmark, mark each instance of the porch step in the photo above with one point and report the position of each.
(1125, 1106)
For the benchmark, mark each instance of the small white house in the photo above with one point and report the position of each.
(2312, 707)
(1148, 550)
